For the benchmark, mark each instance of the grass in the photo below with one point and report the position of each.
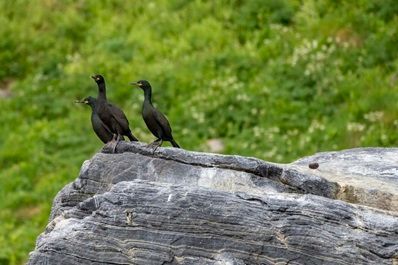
(273, 79)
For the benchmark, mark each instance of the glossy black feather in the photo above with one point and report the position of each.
(112, 116)
(100, 129)
(156, 122)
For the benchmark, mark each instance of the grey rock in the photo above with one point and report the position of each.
(367, 176)
(180, 207)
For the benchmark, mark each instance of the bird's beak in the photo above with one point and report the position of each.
(136, 84)
(95, 78)
(81, 101)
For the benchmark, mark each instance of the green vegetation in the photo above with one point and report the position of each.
(271, 78)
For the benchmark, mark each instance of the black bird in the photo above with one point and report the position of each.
(154, 119)
(110, 115)
(100, 129)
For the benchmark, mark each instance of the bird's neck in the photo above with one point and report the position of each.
(148, 96)
(101, 91)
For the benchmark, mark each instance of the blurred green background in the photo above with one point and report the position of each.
(267, 78)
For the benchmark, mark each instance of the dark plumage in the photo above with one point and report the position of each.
(156, 122)
(110, 115)
(100, 129)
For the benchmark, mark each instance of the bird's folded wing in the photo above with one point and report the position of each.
(105, 127)
(119, 116)
(162, 121)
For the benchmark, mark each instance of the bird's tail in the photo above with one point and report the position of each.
(132, 137)
(174, 143)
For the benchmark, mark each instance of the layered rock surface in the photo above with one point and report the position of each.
(180, 207)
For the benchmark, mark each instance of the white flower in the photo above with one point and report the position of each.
(355, 127)
(374, 116)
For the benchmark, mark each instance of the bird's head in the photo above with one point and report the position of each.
(88, 101)
(143, 84)
(98, 79)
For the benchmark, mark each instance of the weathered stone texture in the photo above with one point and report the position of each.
(179, 207)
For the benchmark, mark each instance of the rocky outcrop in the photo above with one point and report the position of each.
(367, 176)
(180, 207)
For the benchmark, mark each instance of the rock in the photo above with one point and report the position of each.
(367, 176)
(180, 207)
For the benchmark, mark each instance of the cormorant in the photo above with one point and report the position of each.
(110, 115)
(154, 119)
(100, 129)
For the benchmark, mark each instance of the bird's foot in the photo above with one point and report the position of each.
(112, 144)
(154, 150)
(155, 145)
(152, 145)
(114, 147)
